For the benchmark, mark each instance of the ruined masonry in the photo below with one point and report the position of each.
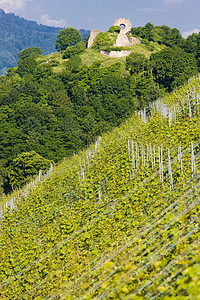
(123, 39)
(93, 34)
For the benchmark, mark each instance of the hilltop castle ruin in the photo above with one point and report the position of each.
(123, 39)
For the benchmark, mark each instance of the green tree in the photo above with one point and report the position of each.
(172, 37)
(192, 45)
(2, 178)
(26, 66)
(145, 89)
(172, 67)
(67, 37)
(74, 50)
(25, 166)
(29, 52)
(74, 63)
(136, 63)
(143, 32)
(156, 35)
(43, 71)
(160, 34)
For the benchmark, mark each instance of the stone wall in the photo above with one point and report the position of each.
(124, 40)
(122, 53)
(93, 34)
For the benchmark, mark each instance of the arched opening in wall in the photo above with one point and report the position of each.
(122, 26)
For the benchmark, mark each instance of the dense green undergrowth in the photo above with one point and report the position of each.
(107, 225)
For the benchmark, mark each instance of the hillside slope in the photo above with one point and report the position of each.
(119, 220)
(17, 33)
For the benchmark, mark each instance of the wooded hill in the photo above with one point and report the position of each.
(17, 33)
(119, 220)
(58, 104)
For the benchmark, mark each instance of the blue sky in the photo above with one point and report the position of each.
(91, 14)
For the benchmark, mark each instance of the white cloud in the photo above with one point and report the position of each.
(46, 20)
(13, 5)
(187, 33)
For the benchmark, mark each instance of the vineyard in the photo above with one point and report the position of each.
(119, 220)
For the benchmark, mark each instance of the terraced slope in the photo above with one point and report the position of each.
(120, 220)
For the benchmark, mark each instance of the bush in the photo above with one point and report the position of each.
(104, 40)
(29, 52)
(54, 63)
(74, 63)
(70, 51)
(25, 166)
(116, 29)
(43, 71)
(136, 63)
(26, 66)
(74, 50)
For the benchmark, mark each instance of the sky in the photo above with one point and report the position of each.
(91, 14)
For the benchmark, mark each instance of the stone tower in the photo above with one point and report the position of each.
(93, 34)
(123, 22)
(123, 39)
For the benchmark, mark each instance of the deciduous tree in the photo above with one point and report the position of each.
(67, 37)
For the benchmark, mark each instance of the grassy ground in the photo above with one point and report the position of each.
(90, 56)
(55, 59)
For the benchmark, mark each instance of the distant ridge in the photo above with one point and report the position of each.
(17, 33)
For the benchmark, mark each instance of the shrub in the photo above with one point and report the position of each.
(136, 63)
(115, 29)
(74, 50)
(104, 40)
(25, 166)
(26, 66)
(74, 63)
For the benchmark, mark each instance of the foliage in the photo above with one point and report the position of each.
(160, 34)
(17, 34)
(67, 37)
(104, 40)
(74, 63)
(43, 71)
(136, 63)
(29, 52)
(26, 66)
(93, 99)
(25, 166)
(74, 50)
(172, 67)
(192, 45)
(143, 32)
(114, 48)
(56, 115)
(116, 29)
